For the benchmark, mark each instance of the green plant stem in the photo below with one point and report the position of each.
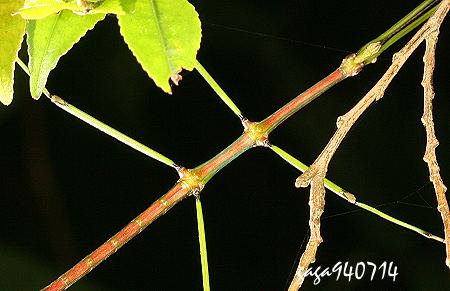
(213, 84)
(393, 34)
(64, 105)
(27, 71)
(208, 169)
(58, 101)
(399, 222)
(402, 27)
(202, 243)
(341, 192)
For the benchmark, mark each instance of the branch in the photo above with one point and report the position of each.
(345, 122)
(192, 181)
(432, 142)
(316, 173)
(350, 198)
(316, 207)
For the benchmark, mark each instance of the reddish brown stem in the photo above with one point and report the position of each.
(192, 181)
(211, 167)
(271, 122)
(158, 208)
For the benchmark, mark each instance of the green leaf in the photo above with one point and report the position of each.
(38, 9)
(119, 7)
(12, 29)
(50, 38)
(164, 36)
(128, 5)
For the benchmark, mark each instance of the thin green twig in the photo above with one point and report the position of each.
(402, 27)
(341, 192)
(210, 80)
(202, 242)
(399, 222)
(58, 101)
(26, 70)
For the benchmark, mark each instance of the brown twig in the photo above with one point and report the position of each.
(432, 142)
(316, 207)
(315, 174)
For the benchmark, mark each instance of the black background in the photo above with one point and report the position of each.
(66, 188)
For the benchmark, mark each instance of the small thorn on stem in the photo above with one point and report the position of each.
(245, 122)
(196, 194)
(267, 144)
(179, 169)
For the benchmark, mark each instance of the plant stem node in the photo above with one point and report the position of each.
(190, 180)
(256, 133)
